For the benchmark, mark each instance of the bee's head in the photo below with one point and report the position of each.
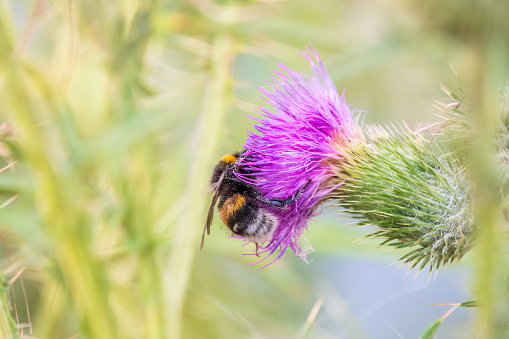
(222, 166)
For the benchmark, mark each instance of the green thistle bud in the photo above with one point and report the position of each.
(413, 190)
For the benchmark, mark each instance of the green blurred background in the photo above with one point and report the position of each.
(119, 111)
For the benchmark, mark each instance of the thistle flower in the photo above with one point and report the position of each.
(409, 185)
(295, 147)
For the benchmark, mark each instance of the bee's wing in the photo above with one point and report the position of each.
(210, 216)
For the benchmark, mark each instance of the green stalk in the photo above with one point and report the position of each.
(188, 232)
(489, 71)
(491, 268)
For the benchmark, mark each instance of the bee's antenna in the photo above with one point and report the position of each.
(252, 145)
(244, 155)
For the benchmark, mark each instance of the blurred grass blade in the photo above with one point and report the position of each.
(430, 332)
(8, 328)
(306, 329)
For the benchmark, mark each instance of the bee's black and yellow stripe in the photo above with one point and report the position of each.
(228, 209)
(244, 217)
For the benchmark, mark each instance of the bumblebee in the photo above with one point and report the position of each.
(241, 206)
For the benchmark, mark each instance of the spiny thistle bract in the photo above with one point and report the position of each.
(412, 189)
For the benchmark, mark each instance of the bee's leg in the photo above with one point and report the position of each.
(257, 249)
(281, 203)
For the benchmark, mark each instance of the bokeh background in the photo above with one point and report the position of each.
(116, 113)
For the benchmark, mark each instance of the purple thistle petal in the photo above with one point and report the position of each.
(295, 145)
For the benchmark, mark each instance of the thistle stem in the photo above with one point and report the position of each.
(489, 278)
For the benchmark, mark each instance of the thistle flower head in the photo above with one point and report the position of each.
(295, 144)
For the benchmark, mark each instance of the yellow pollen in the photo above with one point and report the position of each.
(229, 158)
(239, 202)
(234, 203)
